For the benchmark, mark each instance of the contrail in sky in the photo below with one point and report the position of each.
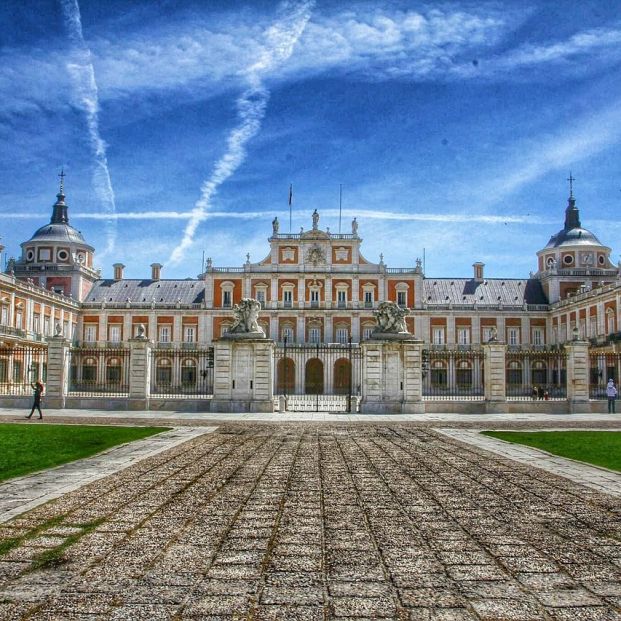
(83, 76)
(281, 39)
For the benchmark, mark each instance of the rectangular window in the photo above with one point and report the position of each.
(592, 327)
(224, 329)
(538, 336)
(36, 323)
(401, 298)
(287, 333)
(463, 336)
(66, 329)
(368, 299)
(287, 298)
(513, 336)
(314, 298)
(90, 333)
(438, 336)
(342, 335)
(341, 298)
(164, 334)
(114, 334)
(5, 315)
(189, 334)
(227, 298)
(19, 319)
(261, 297)
(367, 332)
(314, 335)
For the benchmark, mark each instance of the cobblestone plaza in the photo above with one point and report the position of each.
(316, 521)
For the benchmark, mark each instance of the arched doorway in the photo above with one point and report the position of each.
(285, 376)
(313, 377)
(341, 376)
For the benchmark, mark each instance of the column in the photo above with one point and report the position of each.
(57, 372)
(495, 376)
(140, 373)
(578, 376)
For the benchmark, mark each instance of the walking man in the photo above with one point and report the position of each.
(611, 393)
(36, 404)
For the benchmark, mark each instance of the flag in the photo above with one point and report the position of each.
(290, 194)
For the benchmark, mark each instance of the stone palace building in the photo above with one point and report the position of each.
(316, 289)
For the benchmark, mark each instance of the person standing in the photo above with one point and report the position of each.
(36, 404)
(611, 393)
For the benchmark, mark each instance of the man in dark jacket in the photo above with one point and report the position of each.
(36, 405)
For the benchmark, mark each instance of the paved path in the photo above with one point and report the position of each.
(27, 492)
(277, 417)
(312, 521)
(600, 479)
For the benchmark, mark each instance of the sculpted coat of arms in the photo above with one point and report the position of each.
(316, 255)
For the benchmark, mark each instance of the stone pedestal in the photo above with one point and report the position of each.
(57, 372)
(392, 376)
(243, 380)
(495, 377)
(139, 373)
(578, 376)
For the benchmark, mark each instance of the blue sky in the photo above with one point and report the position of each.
(451, 126)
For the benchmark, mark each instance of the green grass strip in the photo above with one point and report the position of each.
(7, 544)
(26, 448)
(600, 448)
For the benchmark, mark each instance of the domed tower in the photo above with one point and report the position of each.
(574, 259)
(57, 257)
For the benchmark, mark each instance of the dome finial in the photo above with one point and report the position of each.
(62, 176)
(571, 180)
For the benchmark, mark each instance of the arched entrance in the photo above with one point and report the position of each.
(285, 376)
(341, 376)
(313, 377)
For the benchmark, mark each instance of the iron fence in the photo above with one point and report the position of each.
(20, 366)
(603, 366)
(182, 373)
(318, 377)
(98, 372)
(536, 375)
(453, 375)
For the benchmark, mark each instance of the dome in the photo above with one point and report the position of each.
(59, 230)
(573, 237)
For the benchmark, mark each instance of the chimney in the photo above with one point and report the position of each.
(156, 270)
(478, 271)
(118, 271)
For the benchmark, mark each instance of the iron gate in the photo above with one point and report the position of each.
(318, 377)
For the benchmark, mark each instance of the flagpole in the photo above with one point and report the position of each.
(290, 202)
(340, 204)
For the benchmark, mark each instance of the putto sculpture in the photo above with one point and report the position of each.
(246, 324)
(390, 319)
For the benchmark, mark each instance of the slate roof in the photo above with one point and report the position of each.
(573, 237)
(63, 233)
(492, 291)
(144, 291)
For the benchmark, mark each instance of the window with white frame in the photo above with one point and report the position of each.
(189, 334)
(368, 298)
(463, 336)
(224, 328)
(593, 326)
(114, 333)
(513, 336)
(227, 298)
(538, 336)
(90, 332)
(367, 331)
(36, 323)
(46, 325)
(402, 294)
(314, 335)
(288, 334)
(5, 315)
(341, 297)
(342, 335)
(437, 335)
(163, 334)
(19, 319)
(610, 321)
(261, 293)
(314, 297)
(287, 296)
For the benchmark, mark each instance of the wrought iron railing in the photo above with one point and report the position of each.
(453, 374)
(603, 367)
(98, 372)
(536, 375)
(21, 366)
(182, 373)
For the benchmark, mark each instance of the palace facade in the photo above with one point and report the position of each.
(315, 287)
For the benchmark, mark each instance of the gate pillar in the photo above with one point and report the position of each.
(392, 376)
(140, 371)
(495, 382)
(57, 371)
(243, 375)
(578, 376)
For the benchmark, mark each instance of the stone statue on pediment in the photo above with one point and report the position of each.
(390, 319)
(315, 220)
(275, 226)
(354, 227)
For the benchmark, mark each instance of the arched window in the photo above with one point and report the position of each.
(463, 374)
(188, 372)
(539, 373)
(113, 370)
(439, 376)
(514, 373)
(163, 372)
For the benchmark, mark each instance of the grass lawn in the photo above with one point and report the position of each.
(28, 448)
(600, 448)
